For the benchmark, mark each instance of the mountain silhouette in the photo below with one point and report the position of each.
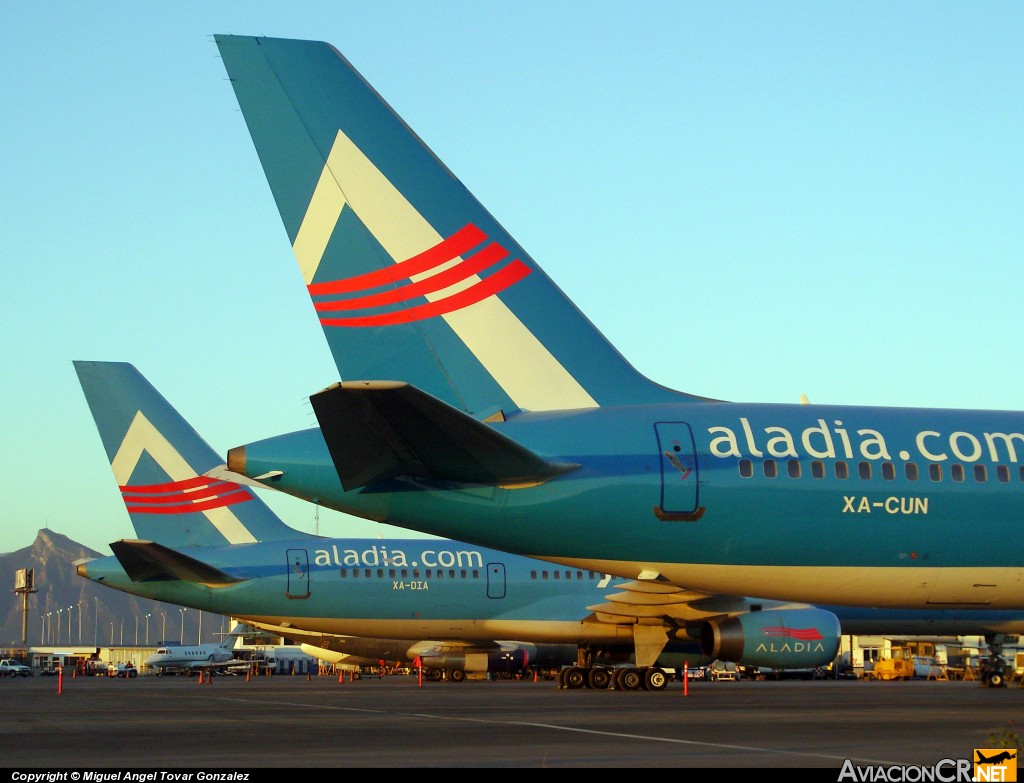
(99, 616)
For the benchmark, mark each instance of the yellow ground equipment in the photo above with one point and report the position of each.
(898, 666)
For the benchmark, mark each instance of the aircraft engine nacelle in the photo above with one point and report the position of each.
(778, 638)
(514, 660)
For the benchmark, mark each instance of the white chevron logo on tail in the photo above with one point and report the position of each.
(143, 437)
(514, 357)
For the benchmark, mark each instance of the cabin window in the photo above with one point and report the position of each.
(770, 469)
(343, 572)
(415, 573)
(557, 574)
(793, 467)
(1003, 473)
(405, 573)
(980, 474)
(818, 469)
(579, 575)
(380, 573)
(440, 574)
(888, 471)
(476, 574)
(864, 470)
(956, 471)
(355, 573)
(935, 472)
(746, 468)
(911, 470)
(368, 573)
(462, 574)
(428, 574)
(533, 575)
(451, 573)
(391, 573)
(842, 470)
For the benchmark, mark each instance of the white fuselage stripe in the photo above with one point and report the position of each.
(899, 587)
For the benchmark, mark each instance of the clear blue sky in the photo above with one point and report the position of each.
(753, 201)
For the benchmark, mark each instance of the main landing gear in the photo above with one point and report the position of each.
(626, 678)
(993, 669)
(452, 675)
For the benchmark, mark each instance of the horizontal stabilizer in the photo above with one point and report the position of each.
(147, 561)
(377, 430)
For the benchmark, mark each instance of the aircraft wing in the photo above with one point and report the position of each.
(343, 644)
(376, 430)
(148, 561)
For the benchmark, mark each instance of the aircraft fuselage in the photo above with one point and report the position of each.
(823, 504)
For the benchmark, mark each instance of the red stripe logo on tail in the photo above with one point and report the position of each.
(396, 288)
(183, 497)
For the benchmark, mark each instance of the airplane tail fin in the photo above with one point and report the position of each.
(176, 488)
(411, 278)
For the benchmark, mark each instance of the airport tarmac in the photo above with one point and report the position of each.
(175, 723)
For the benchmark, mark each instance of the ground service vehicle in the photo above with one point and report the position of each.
(898, 666)
(723, 670)
(12, 668)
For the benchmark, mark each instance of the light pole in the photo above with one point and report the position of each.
(42, 629)
(182, 609)
(59, 613)
(147, 630)
(111, 633)
(122, 632)
(69, 624)
(80, 623)
(163, 625)
(136, 630)
(199, 638)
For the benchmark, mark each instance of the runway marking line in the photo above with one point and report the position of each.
(619, 735)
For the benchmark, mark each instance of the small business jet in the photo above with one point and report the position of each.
(193, 658)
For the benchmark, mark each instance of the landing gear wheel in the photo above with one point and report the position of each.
(599, 678)
(996, 680)
(456, 675)
(436, 675)
(655, 679)
(628, 679)
(575, 678)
